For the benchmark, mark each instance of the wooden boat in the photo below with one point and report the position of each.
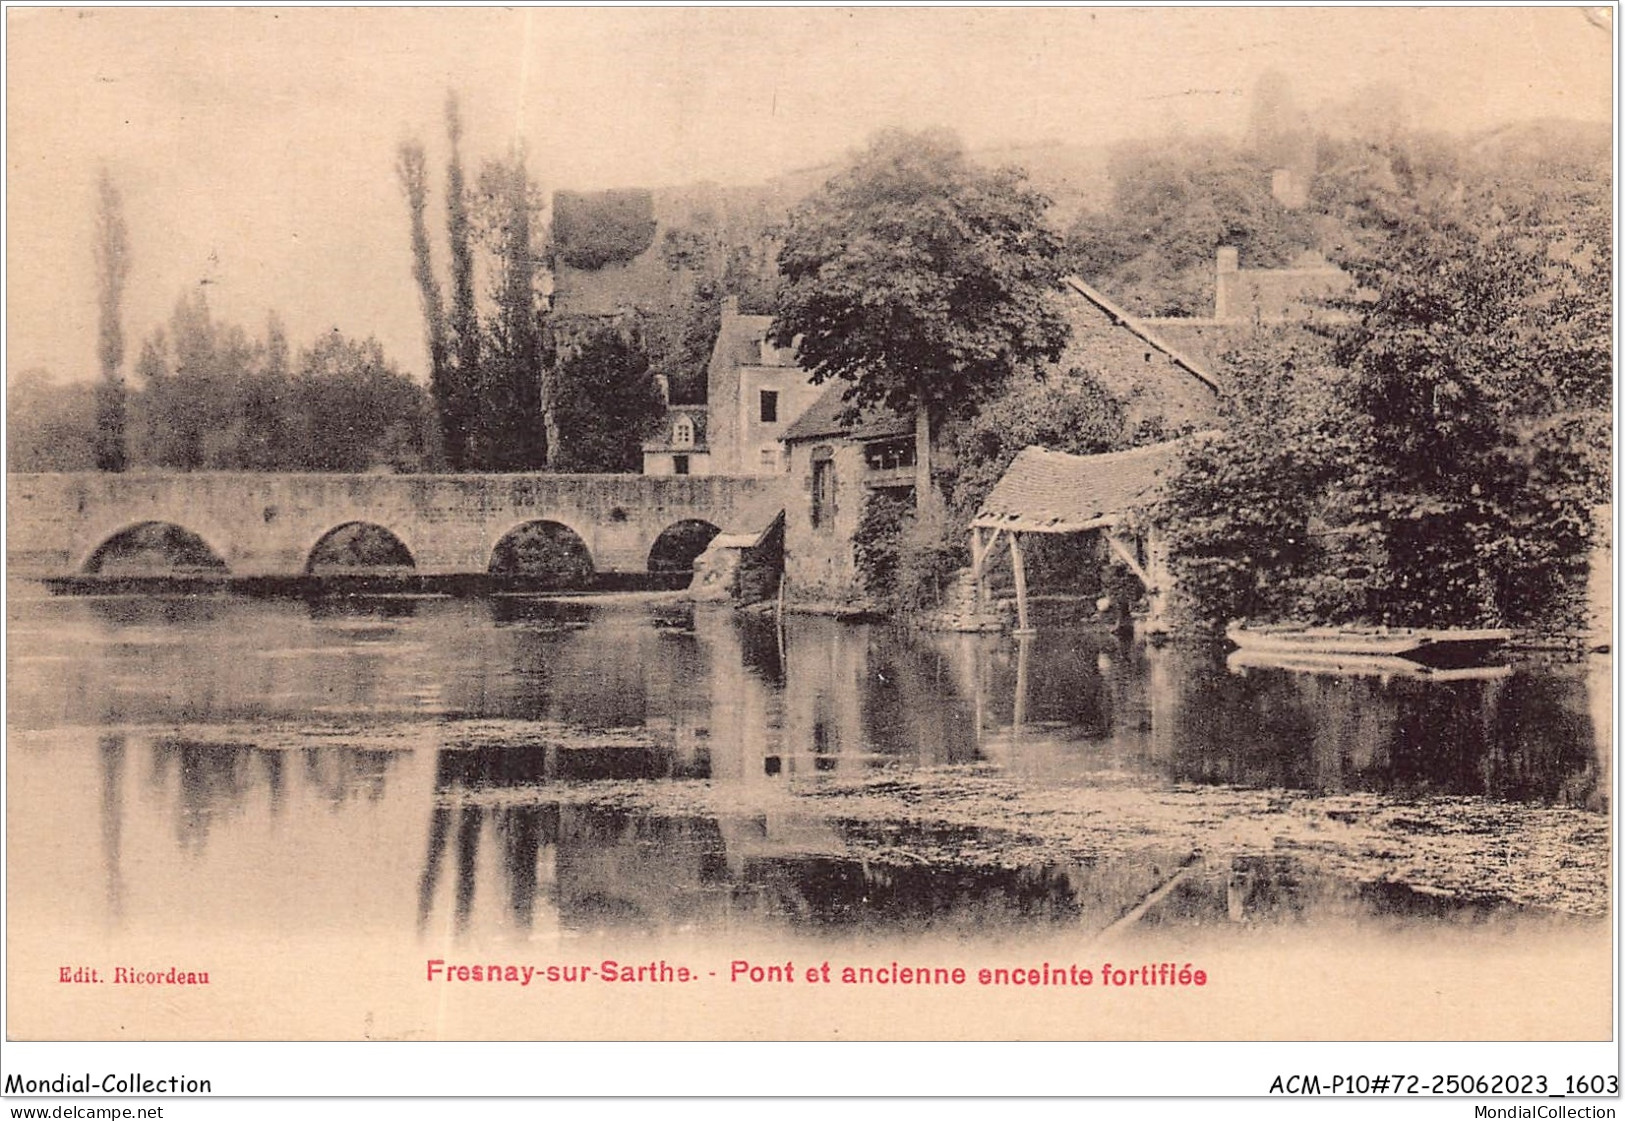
(1429, 647)
(1383, 666)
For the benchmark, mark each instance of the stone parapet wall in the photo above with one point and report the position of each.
(267, 524)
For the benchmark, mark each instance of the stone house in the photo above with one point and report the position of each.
(835, 465)
(681, 447)
(754, 391)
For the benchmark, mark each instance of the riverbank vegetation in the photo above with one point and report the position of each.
(210, 396)
(1436, 459)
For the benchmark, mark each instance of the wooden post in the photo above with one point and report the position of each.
(981, 549)
(1020, 566)
(1018, 717)
(925, 494)
(1157, 567)
(976, 567)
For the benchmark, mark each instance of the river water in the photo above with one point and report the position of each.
(509, 772)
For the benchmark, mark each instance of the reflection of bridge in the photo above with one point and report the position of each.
(271, 524)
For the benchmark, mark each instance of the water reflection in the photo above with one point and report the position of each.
(402, 761)
(110, 751)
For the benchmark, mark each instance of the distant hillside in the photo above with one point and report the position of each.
(743, 220)
(1074, 176)
(1551, 144)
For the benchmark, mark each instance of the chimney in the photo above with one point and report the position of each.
(730, 307)
(1224, 281)
(663, 383)
(1289, 188)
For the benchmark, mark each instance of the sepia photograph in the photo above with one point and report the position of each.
(810, 524)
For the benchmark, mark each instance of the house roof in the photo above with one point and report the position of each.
(1115, 351)
(827, 417)
(1054, 492)
(1122, 319)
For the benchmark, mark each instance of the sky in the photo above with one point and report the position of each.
(255, 148)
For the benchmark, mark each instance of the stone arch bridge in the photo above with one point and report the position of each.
(271, 524)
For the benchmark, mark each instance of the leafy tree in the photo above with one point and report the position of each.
(213, 398)
(1246, 516)
(490, 376)
(922, 280)
(1488, 335)
(50, 426)
(354, 410)
(265, 403)
(185, 395)
(112, 251)
(608, 404)
(1438, 463)
(1073, 413)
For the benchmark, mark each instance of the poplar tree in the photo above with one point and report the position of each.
(112, 252)
(463, 392)
(411, 169)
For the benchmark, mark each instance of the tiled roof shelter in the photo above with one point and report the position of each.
(1053, 492)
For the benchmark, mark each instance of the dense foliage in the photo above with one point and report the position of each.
(1173, 204)
(112, 255)
(1437, 461)
(487, 373)
(591, 231)
(460, 411)
(905, 559)
(49, 427)
(513, 420)
(445, 389)
(1071, 413)
(608, 404)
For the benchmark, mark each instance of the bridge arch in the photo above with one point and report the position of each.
(357, 545)
(543, 549)
(151, 548)
(680, 544)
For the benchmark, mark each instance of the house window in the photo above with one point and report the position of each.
(682, 431)
(770, 406)
(889, 455)
(823, 488)
(679, 465)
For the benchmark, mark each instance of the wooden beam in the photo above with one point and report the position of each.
(1020, 566)
(1125, 555)
(980, 554)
